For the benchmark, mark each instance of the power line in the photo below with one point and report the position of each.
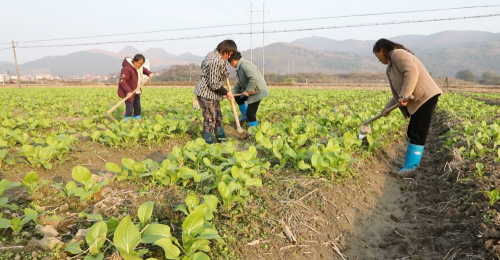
(246, 24)
(271, 31)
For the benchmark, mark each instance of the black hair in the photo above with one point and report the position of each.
(387, 46)
(235, 56)
(139, 57)
(227, 46)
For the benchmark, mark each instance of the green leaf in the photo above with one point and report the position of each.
(128, 256)
(207, 161)
(209, 233)
(98, 233)
(199, 256)
(211, 202)
(112, 224)
(100, 256)
(113, 167)
(16, 224)
(193, 224)
(126, 237)
(186, 173)
(192, 201)
(253, 182)
(304, 166)
(83, 175)
(73, 248)
(145, 211)
(5, 223)
(201, 245)
(29, 214)
(31, 179)
(94, 217)
(155, 232)
(171, 251)
(495, 193)
(182, 208)
(224, 190)
(6, 184)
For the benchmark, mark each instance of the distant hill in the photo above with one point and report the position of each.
(478, 58)
(286, 58)
(417, 43)
(99, 62)
(444, 54)
(7, 66)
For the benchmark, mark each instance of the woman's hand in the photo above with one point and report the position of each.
(151, 75)
(402, 102)
(246, 93)
(229, 96)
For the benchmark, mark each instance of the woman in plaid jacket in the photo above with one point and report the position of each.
(210, 89)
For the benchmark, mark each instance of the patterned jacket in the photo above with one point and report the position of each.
(214, 72)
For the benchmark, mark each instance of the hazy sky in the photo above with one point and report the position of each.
(24, 20)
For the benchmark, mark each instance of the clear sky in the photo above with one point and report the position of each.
(23, 20)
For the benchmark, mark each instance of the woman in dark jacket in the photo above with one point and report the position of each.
(408, 77)
(132, 77)
(210, 89)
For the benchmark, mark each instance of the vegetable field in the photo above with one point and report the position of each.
(75, 185)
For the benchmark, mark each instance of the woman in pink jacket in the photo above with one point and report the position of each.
(408, 77)
(132, 77)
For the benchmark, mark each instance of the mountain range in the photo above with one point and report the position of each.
(444, 54)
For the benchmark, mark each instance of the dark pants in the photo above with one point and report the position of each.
(252, 108)
(420, 121)
(212, 115)
(134, 107)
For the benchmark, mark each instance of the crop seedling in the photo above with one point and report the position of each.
(32, 182)
(84, 177)
(493, 196)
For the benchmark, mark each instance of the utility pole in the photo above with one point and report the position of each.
(263, 39)
(17, 67)
(251, 32)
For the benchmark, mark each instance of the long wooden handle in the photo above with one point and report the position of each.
(238, 126)
(127, 97)
(249, 93)
(369, 121)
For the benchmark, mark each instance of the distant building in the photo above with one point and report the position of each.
(4, 78)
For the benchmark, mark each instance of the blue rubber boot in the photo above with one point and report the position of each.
(219, 134)
(254, 123)
(413, 156)
(243, 110)
(127, 118)
(208, 137)
(137, 117)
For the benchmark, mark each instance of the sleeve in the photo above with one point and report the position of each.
(252, 73)
(222, 91)
(405, 63)
(124, 77)
(215, 71)
(146, 71)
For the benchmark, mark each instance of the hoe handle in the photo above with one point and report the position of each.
(126, 97)
(238, 126)
(369, 121)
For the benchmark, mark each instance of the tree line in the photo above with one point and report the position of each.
(487, 78)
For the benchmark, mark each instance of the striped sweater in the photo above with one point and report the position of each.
(214, 72)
